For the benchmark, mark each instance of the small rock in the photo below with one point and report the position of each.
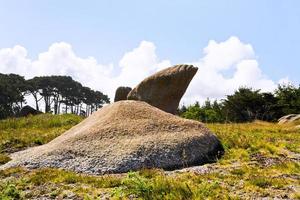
(28, 110)
(289, 118)
(121, 93)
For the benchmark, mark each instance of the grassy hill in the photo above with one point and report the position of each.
(261, 160)
(19, 133)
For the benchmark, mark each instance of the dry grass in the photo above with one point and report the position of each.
(19, 133)
(260, 161)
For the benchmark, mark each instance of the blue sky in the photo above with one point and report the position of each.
(106, 30)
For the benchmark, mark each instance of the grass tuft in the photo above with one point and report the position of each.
(4, 159)
(9, 191)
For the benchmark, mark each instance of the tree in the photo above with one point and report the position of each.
(181, 110)
(32, 87)
(244, 105)
(288, 99)
(58, 90)
(209, 112)
(270, 110)
(12, 91)
(193, 112)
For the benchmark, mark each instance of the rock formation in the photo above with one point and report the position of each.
(124, 136)
(289, 118)
(165, 88)
(28, 110)
(121, 93)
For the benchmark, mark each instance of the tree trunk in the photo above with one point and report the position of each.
(46, 104)
(59, 108)
(80, 107)
(86, 110)
(36, 103)
(36, 100)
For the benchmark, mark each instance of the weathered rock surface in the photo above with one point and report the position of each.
(121, 93)
(165, 88)
(289, 118)
(124, 136)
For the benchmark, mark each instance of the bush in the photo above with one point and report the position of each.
(247, 105)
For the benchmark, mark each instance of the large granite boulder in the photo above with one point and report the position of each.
(121, 93)
(124, 136)
(165, 88)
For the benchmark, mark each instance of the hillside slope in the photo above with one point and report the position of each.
(261, 160)
(20, 133)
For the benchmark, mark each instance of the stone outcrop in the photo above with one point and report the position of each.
(165, 88)
(121, 93)
(124, 136)
(289, 118)
(28, 110)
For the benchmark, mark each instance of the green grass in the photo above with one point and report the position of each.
(20, 133)
(260, 161)
(241, 141)
(9, 191)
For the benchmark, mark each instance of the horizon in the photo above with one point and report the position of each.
(233, 44)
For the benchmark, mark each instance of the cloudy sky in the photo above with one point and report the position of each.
(106, 44)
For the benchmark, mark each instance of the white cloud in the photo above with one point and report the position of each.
(284, 81)
(14, 60)
(60, 59)
(139, 63)
(223, 68)
(223, 55)
(248, 73)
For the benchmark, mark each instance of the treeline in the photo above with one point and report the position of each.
(58, 94)
(246, 105)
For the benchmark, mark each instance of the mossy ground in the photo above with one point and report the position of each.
(261, 160)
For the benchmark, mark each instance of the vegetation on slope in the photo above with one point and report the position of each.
(261, 160)
(19, 133)
(247, 105)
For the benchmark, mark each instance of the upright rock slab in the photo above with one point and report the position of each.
(121, 93)
(165, 88)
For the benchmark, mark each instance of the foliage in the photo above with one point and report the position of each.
(209, 112)
(12, 88)
(288, 99)
(63, 89)
(246, 105)
(55, 91)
